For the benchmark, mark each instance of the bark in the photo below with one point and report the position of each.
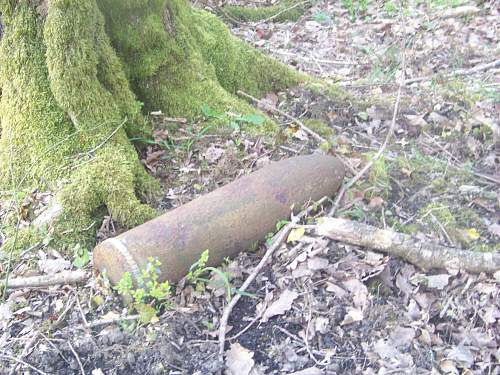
(76, 78)
(424, 254)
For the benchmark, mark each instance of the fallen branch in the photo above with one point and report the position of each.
(276, 243)
(65, 277)
(272, 108)
(424, 254)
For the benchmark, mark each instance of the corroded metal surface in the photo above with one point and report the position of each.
(225, 221)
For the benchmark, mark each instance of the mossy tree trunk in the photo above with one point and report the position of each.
(76, 78)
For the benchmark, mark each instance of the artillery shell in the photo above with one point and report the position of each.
(226, 221)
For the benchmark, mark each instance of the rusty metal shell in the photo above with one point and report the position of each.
(225, 221)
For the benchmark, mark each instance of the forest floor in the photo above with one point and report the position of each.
(321, 306)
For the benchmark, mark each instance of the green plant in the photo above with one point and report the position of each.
(355, 7)
(322, 18)
(280, 224)
(390, 8)
(235, 121)
(149, 295)
(199, 268)
(81, 256)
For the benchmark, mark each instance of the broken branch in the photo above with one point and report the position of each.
(424, 254)
(65, 277)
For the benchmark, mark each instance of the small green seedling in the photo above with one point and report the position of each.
(150, 295)
(235, 121)
(81, 257)
(199, 268)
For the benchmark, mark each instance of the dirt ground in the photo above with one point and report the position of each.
(320, 306)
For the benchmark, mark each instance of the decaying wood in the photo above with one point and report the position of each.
(424, 254)
(65, 277)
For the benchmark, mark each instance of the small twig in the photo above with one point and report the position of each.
(108, 137)
(65, 277)
(458, 72)
(248, 326)
(370, 163)
(11, 358)
(81, 310)
(276, 243)
(477, 174)
(443, 230)
(321, 61)
(281, 12)
(26, 350)
(294, 119)
(82, 370)
(103, 322)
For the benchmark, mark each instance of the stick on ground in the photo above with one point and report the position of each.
(276, 243)
(65, 277)
(424, 254)
(312, 133)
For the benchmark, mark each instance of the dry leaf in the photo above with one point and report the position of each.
(317, 263)
(462, 355)
(239, 360)
(494, 229)
(353, 315)
(385, 350)
(281, 305)
(437, 281)
(212, 154)
(295, 234)
(51, 266)
(466, 10)
(402, 337)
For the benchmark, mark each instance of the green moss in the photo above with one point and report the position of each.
(282, 12)
(379, 179)
(69, 85)
(206, 64)
(319, 127)
(433, 171)
(65, 106)
(437, 211)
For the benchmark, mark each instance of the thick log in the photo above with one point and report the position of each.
(225, 221)
(424, 254)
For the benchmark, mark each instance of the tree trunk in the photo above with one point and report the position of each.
(74, 78)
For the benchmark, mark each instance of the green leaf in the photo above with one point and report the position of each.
(146, 312)
(210, 113)
(322, 17)
(82, 258)
(252, 119)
